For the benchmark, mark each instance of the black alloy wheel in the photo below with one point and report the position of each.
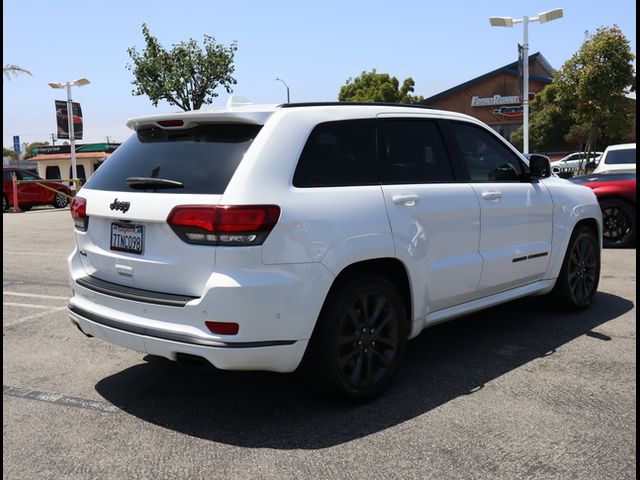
(619, 223)
(359, 338)
(368, 340)
(580, 274)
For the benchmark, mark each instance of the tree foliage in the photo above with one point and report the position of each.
(14, 70)
(586, 103)
(378, 87)
(7, 152)
(185, 76)
(29, 151)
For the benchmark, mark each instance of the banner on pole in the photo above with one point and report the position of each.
(62, 119)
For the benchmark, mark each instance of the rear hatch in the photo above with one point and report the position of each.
(128, 200)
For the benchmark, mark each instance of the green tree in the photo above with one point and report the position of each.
(586, 104)
(30, 150)
(7, 152)
(15, 70)
(378, 87)
(185, 76)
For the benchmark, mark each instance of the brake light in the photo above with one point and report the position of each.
(171, 123)
(224, 225)
(79, 213)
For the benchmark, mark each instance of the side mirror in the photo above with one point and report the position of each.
(539, 166)
(590, 166)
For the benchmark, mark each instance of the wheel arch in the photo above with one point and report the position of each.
(390, 268)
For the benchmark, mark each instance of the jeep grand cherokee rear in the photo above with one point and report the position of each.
(254, 236)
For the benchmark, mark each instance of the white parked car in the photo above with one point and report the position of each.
(617, 157)
(568, 165)
(263, 237)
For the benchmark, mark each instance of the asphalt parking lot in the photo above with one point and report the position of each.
(518, 391)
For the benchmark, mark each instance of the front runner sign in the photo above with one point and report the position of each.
(495, 100)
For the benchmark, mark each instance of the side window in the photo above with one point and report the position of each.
(413, 152)
(52, 172)
(486, 158)
(339, 154)
(7, 174)
(28, 176)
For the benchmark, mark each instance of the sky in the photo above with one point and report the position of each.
(314, 46)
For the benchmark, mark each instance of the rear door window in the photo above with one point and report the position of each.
(413, 152)
(339, 153)
(203, 159)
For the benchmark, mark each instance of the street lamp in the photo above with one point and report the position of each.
(543, 17)
(72, 136)
(280, 80)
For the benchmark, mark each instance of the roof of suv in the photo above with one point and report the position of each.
(258, 114)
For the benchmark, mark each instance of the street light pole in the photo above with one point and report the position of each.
(287, 86)
(72, 135)
(543, 17)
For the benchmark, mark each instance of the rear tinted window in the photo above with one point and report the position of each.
(619, 157)
(203, 158)
(413, 152)
(339, 154)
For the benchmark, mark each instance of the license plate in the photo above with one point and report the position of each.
(127, 238)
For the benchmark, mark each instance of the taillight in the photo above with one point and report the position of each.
(79, 213)
(224, 225)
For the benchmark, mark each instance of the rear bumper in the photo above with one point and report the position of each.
(276, 356)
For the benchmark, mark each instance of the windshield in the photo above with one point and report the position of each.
(619, 157)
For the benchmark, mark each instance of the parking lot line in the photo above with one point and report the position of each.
(26, 305)
(34, 316)
(58, 399)
(34, 295)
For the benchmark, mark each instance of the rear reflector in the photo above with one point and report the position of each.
(224, 225)
(223, 328)
(79, 213)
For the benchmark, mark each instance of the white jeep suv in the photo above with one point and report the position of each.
(256, 237)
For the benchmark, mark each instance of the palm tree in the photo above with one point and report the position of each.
(9, 70)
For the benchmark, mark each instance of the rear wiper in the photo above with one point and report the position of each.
(150, 182)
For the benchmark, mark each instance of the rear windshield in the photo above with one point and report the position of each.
(202, 159)
(618, 157)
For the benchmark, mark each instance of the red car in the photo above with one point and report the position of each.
(616, 192)
(31, 194)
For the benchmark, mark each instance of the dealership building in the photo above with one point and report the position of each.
(494, 97)
(54, 162)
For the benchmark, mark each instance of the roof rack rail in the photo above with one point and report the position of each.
(346, 104)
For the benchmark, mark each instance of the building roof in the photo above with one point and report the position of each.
(67, 156)
(510, 69)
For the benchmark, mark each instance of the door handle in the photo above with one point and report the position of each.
(408, 200)
(492, 195)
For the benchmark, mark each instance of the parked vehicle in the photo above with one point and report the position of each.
(617, 157)
(31, 194)
(266, 237)
(616, 192)
(567, 166)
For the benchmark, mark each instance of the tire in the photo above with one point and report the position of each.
(5, 203)
(359, 339)
(25, 208)
(619, 223)
(580, 273)
(60, 200)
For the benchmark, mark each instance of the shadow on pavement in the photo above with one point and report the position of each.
(269, 410)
